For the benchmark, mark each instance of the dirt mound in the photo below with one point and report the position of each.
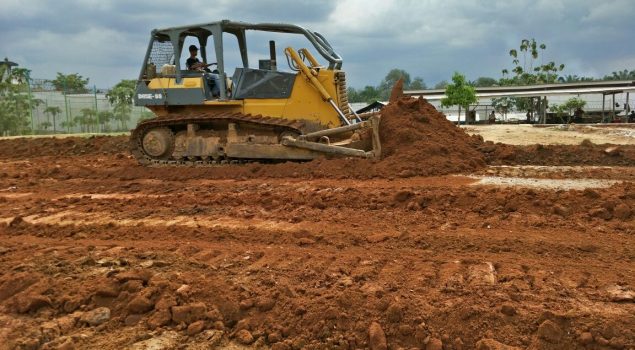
(586, 153)
(419, 140)
(52, 146)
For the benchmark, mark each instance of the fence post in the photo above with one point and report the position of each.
(96, 112)
(68, 125)
(28, 86)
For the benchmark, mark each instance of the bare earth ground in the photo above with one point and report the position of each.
(99, 253)
(524, 134)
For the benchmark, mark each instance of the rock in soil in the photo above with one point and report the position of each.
(491, 344)
(97, 316)
(550, 331)
(376, 336)
(434, 344)
(244, 337)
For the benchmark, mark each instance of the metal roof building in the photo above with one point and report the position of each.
(620, 99)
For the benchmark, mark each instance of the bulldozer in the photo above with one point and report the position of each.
(298, 112)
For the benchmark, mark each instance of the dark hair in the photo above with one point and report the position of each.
(193, 48)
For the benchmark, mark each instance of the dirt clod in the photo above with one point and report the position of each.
(550, 331)
(376, 337)
(96, 317)
(244, 337)
(491, 344)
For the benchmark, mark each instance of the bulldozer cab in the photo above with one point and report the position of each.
(164, 79)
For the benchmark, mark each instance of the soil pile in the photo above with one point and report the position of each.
(586, 153)
(53, 146)
(419, 140)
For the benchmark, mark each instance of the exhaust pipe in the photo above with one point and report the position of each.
(272, 55)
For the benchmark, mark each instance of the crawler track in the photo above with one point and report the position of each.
(136, 148)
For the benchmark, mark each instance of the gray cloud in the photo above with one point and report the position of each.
(106, 40)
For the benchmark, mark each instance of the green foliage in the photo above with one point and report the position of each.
(417, 84)
(441, 85)
(573, 79)
(568, 107)
(45, 125)
(70, 83)
(86, 119)
(459, 93)
(68, 125)
(503, 104)
(621, 75)
(16, 103)
(368, 94)
(526, 73)
(381, 92)
(53, 111)
(121, 98)
(530, 71)
(484, 82)
(391, 79)
(103, 117)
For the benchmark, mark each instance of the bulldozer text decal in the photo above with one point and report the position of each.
(150, 96)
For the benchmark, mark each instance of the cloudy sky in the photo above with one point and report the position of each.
(106, 40)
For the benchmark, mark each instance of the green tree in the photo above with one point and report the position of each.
(368, 94)
(386, 85)
(441, 85)
(532, 70)
(87, 119)
(68, 125)
(70, 83)
(484, 82)
(103, 117)
(353, 95)
(53, 111)
(121, 98)
(16, 103)
(621, 75)
(459, 93)
(20, 76)
(526, 73)
(417, 84)
(45, 125)
(574, 104)
(569, 107)
(573, 79)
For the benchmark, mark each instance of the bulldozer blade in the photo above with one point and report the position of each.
(342, 148)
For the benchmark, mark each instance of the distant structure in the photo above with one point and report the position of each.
(541, 95)
(8, 64)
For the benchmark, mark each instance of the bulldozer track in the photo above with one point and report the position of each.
(143, 158)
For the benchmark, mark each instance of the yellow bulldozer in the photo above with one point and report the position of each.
(265, 114)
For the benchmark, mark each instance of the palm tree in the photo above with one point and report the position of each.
(621, 75)
(54, 111)
(103, 118)
(87, 118)
(20, 75)
(68, 124)
(45, 125)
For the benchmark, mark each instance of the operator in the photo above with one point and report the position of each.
(194, 64)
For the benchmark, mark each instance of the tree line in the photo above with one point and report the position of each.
(17, 104)
(528, 68)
